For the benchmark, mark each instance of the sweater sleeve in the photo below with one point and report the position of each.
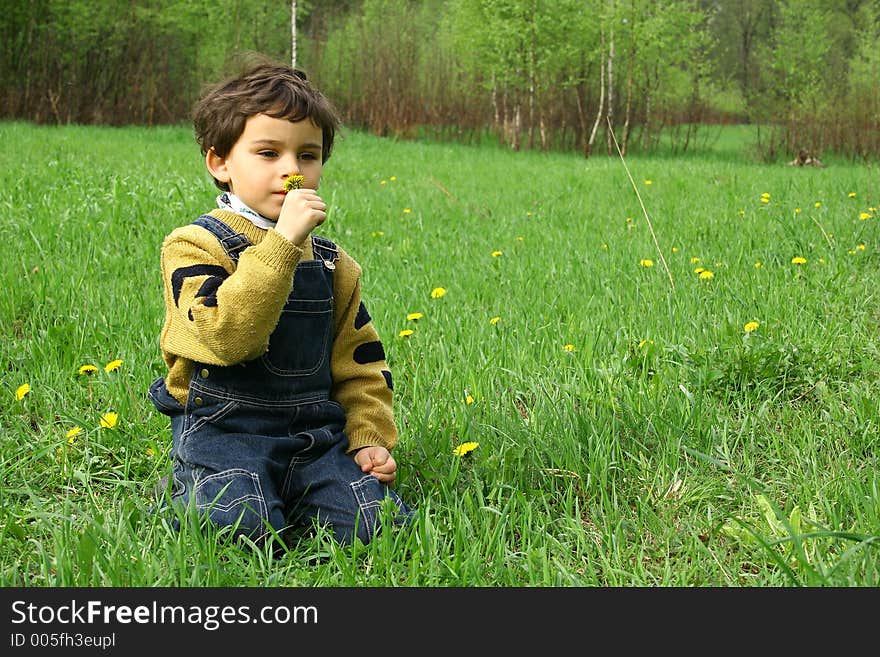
(221, 313)
(361, 378)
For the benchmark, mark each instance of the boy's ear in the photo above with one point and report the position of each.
(217, 166)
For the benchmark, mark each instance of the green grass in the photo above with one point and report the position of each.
(666, 447)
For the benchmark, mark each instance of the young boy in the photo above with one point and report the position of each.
(277, 387)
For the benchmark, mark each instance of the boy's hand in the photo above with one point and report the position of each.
(378, 462)
(303, 210)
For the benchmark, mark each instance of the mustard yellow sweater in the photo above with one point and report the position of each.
(233, 323)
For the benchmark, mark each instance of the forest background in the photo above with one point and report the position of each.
(523, 73)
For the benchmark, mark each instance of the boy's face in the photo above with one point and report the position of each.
(268, 151)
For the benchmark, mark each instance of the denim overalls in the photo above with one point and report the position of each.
(261, 443)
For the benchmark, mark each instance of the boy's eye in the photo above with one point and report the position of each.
(267, 153)
(308, 156)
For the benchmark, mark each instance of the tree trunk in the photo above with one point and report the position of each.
(293, 33)
(629, 76)
(610, 82)
(592, 141)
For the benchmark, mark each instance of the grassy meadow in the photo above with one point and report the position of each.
(713, 424)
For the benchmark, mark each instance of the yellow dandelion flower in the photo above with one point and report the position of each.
(675, 249)
(495, 254)
(72, 433)
(520, 238)
(604, 247)
(646, 262)
(393, 178)
(293, 182)
(112, 365)
(494, 320)
(529, 213)
(706, 275)
(852, 194)
(383, 182)
(649, 182)
(750, 326)
(414, 316)
(821, 261)
(765, 199)
(150, 452)
(798, 260)
(406, 211)
(405, 333)
(758, 264)
(699, 270)
(817, 204)
(694, 260)
(377, 233)
(88, 369)
(645, 343)
(568, 347)
(108, 420)
(22, 390)
(865, 215)
(851, 252)
(438, 292)
(469, 400)
(464, 448)
(797, 210)
(860, 247)
(742, 213)
(765, 194)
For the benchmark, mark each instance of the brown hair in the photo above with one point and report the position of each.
(263, 87)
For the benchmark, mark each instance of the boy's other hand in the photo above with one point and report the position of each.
(303, 210)
(378, 462)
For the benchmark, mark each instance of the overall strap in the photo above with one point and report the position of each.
(234, 243)
(326, 250)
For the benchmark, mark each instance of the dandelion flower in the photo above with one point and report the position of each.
(568, 347)
(494, 320)
(438, 292)
(383, 182)
(694, 260)
(88, 369)
(646, 262)
(108, 420)
(393, 178)
(469, 400)
(150, 452)
(852, 194)
(604, 247)
(750, 326)
(765, 199)
(798, 260)
(646, 342)
(865, 215)
(797, 210)
(112, 365)
(293, 182)
(817, 204)
(675, 249)
(405, 333)
(758, 264)
(860, 247)
(414, 316)
(464, 448)
(72, 433)
(649, 182)
(495, 254)
(377, 233)
(520, 238)
(406, 211)
(22, 390)
(699, 270)
(706, 275)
